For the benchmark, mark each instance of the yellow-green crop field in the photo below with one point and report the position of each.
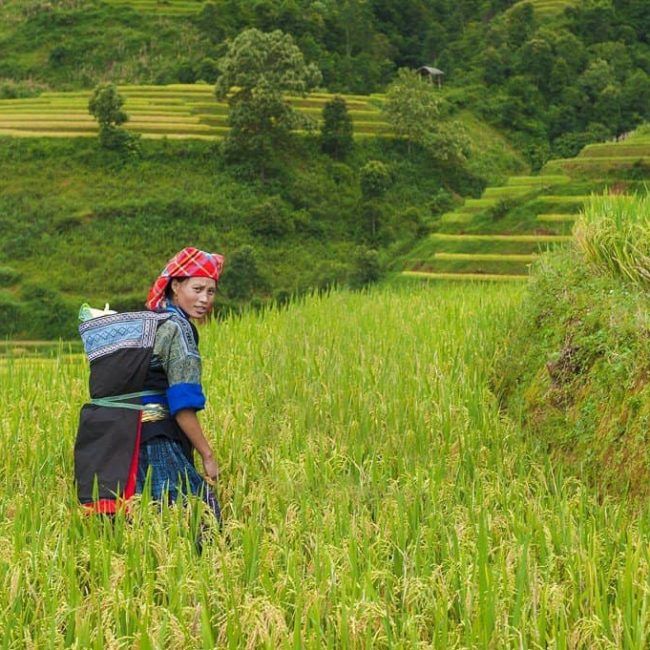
(173, 111)
(374, 497)
(544, 208)
(161, 7)
(547, 8)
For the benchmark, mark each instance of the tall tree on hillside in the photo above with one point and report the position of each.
(256, 70)
(374, 180)
(414, 109)
(106, 105)
(336, 131)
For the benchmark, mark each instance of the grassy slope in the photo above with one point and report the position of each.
(81, 43)
(373, 497)
(89, 227)
(77, 45)
(92, 215)
(577, 372)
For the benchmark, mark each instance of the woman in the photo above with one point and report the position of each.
(140, 427)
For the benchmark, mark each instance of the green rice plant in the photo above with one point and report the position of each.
(486, 257)
(479, 204)
(374, 496)
(559, 198)
(538, 239)
(489, 263)
(457, 217)
(543, 180)
(613, 234)
(509, 191)
(464, 277)
(556, 218)
(171, 8)
(44, 117)
(427, 248)
(17, 133)
(615, 150)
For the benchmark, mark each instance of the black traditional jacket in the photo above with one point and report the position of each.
(135, 358)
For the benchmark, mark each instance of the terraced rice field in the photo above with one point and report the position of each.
(161, 7)
(458, 251)
(556, 218)
(473, 255)
(548, 8)
(468, 243)
(605, 158)
(174, 111)
(464, 277)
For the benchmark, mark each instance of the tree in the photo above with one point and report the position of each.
(336, 132)
(520, 24)
(636, 98)
(596, 78)
(105, 105)
(374, 181)
(607, 107)
(414, 109)
(366, 270)
(256, 70)
(536, 60)
(242, 277)
(271, 218)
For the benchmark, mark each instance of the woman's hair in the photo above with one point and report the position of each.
(168, 290)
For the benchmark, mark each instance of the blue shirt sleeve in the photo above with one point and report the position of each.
(185, 396)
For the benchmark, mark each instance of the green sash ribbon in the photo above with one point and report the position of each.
(115, 401)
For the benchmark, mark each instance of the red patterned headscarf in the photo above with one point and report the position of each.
(188, 263)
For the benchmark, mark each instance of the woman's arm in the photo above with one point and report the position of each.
(189, 422)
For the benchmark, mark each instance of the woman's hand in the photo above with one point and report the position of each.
(211, 469)
(188, 421)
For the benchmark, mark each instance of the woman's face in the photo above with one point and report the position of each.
(195, 296)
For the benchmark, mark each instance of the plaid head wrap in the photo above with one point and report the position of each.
(188, 263)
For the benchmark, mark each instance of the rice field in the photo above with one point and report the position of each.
(463, 277)
(612, 235)
(565, 200)
(373, 494)
(541, 181)
(170, 8)
(548, 8)
(172, 111)
(530, 239)
(478, 254)
(486, 257)
(468, 241)
(605, 158)
(457, 217)
(556, 218)
(479, 264)
(507, 192)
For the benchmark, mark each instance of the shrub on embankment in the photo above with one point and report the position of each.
(577, 371)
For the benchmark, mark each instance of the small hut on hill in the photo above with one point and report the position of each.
(431, 73)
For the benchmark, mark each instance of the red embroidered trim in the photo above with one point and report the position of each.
(129, 490)
(101, 507)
